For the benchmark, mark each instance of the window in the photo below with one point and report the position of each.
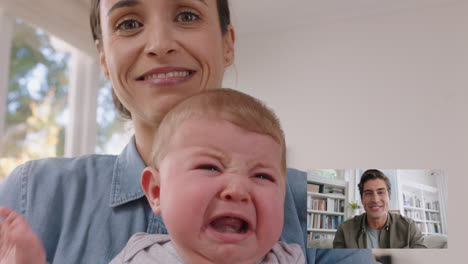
(326, 173)
(113, 132)
(36, 103)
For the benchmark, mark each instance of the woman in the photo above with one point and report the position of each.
(155, 53)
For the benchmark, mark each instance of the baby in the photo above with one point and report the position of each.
(218, 180)
(217, 177)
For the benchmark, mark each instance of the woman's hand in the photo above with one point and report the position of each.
(18, 243)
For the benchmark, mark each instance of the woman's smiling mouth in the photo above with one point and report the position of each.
(166, 75)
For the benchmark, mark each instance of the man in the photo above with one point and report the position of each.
(377, 228)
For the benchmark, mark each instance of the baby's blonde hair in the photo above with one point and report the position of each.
(233, 106)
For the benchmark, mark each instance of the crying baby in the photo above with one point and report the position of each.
(217, 177)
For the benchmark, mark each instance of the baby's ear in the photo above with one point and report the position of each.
(150, 182)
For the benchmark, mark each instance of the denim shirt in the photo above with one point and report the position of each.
(85, 209)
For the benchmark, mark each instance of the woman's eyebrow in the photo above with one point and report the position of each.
(203, 1)
(123, 3)
(128, 3)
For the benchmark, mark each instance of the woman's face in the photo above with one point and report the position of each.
(157, 52)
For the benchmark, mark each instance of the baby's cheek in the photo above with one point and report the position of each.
(274, 203)
(272, 209)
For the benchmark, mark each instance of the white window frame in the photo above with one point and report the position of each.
(81, 130)
(6, 27)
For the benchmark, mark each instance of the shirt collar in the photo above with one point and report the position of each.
(126, 176)
(387, 224)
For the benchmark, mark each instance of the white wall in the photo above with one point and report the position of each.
(362, 91)
(387, 92)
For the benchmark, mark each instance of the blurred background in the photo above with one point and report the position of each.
(356, 84)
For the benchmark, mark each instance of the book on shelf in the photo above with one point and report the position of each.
(337, 205)
(331, 205)
(316, 204)
(433, 205)
(325, 204)
(317, 188)
(413, 214)
(321, 221)
(421, 226)
(411, 200)
(433, 228)
(432, 216)
(341, 205)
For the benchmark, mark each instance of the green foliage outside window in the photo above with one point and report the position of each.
(36, 99)
(326, 173)
(36, 112)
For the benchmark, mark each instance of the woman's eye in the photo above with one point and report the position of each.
(208, 167)
(129, 24)
(264, 176)
(187, 17)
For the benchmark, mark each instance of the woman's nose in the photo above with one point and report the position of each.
(160, 41)
(235, 191)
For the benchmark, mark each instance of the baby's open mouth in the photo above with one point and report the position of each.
(227, 224)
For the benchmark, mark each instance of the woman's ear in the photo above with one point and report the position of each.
(228, 42)
(150, 183)
(102, 58)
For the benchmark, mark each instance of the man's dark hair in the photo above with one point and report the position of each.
(373, 174)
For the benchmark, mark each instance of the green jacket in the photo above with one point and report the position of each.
(398, 232)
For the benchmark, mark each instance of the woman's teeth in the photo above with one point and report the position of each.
(166, 75)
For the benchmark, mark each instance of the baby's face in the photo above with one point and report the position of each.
(222, 192)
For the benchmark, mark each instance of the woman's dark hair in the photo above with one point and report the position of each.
(373, 174)
(95, 21)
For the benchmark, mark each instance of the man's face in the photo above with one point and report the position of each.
(375, 198)
(222, 192)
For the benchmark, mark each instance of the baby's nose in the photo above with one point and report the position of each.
(235, 191)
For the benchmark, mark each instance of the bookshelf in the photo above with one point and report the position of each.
(421, 203)
(326, 204)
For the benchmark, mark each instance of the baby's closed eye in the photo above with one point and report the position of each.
(265, 176)
(207, 167)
